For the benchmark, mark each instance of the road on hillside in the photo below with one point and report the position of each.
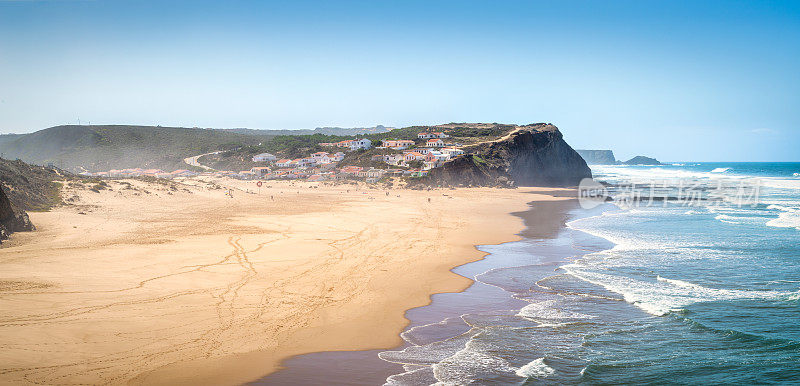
(193, 161)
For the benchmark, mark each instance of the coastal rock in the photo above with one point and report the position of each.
(533, 155)
(597, 157)
(12, 220)
(642, 160)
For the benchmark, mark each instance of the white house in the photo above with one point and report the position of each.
(393, 159)
(435, 143)
(286, 163)
(362, 143)
(305, 161)
(264, 157)
(413, 156)
(260, 172)
(338, 156)
(321, 158)
(397, 144)
(453, 152)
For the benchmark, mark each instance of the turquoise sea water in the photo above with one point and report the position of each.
(702, 292)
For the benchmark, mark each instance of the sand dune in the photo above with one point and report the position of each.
(145, 283)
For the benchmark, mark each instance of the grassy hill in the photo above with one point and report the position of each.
(295, 146)
(97, 148)
(31, 187)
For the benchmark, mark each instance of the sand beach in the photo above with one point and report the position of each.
(216, 281)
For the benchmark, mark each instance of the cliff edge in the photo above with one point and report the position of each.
(598, 157)
(531, 155)
(12, 220)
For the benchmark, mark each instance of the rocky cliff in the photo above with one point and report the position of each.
(598, 157)
(11, 220)
(532, 155)
(642, 160)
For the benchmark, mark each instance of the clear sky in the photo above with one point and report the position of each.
(678, 80)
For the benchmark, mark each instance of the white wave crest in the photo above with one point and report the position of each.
(786, 220)
(536, 369)
(720, 170)
(727, 219)
(664, 295)
(549, 309)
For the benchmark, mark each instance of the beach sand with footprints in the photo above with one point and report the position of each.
(208, 281)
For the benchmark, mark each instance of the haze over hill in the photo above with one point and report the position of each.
(93, 148)
(318, 130)
(79, 148)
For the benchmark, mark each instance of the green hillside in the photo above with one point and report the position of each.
(98, 148)
(31, 187)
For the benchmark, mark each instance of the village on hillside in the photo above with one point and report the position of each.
(402, 157)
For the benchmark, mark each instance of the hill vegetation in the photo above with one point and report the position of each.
(296, 146)
(342, 131)
(31, 187)
(99, 148)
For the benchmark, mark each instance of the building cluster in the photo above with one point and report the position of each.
(351, 144)
(431, 135)
(316, 159)
(321, 166)
(430, 157)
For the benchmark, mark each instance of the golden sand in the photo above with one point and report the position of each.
(192, 286)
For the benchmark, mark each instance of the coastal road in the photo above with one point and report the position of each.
(192, 161)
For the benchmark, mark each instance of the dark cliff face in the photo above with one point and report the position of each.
(537, 155)
(11, 220)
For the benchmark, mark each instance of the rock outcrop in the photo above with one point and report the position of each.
(532, 155)
(12, 220)
(642, 160)
(597, 157)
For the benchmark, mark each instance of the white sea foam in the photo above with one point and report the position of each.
(786, 220)
(627, 173)
(549, 309)
(536, 369)
(727, 219)
(460, 368)
(782, 208)
(659, 173)
(664, 295)
(780, 183)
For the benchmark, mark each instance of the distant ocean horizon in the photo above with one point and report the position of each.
(681, 291)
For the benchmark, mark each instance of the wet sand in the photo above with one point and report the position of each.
(150, 284)
(543, 220)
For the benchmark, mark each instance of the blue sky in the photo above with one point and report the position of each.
(694, 80)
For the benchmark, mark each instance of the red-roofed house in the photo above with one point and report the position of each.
(435, 143)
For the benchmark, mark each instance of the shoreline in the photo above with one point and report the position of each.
(314, 269)
(541, 221)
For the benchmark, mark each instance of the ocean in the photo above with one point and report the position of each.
(690, 291)
(691, 275)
